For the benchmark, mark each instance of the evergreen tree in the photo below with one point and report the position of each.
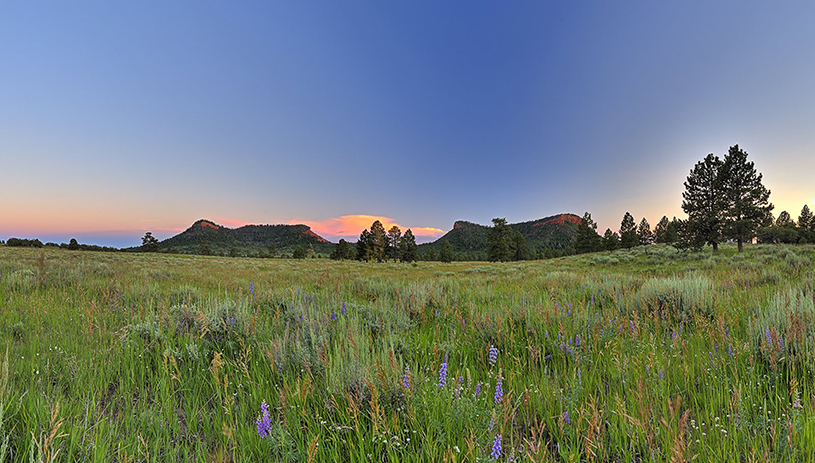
(446, 253)
(628, 232)
(364, 246)
(673, 231)
(661, 230)
(500, 241)
(587, 238)
(746, 199)
(521, 248)
(408, 251)
(703, 201)
(73, 245)
(784, 220)
(644, 233)
(272, 249)
(611, 240)
(342, 251)
(394, 236)
(806, 220)
(299, 252)
(148, 243)
(378, 242)
(430, 255)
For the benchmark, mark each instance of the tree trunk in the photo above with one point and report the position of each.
(741, 248)
(715, 246)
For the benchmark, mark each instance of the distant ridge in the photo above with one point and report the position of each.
(547, 237)
(246, 240)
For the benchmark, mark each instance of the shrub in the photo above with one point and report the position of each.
(678, 298)
(786, 327)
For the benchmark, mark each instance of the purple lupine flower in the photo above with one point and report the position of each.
(781, 342)
(443, 372)
(499, 390)
(231, 320)
(333, 315)
(406, 378)
(577, 340)
(566, 418)
(579, 377)
(768, 336)
(477, 389)
(496, 447)
(492, 423)
(264, 424)
(343, 309)
(710, 355)
(493, 355)
(730, 350)
(662, 373)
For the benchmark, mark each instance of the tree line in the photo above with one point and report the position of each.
(380, 246)
(725, 200)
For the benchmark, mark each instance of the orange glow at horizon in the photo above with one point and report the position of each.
(352, 225)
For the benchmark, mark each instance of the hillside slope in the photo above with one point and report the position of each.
(246, 240)
(550, 236)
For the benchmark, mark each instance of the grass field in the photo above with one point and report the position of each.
(642, 355)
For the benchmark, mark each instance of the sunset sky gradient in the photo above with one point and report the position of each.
(121, 117)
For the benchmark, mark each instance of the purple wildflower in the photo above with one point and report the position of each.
(493, 355)
(252, 289)
(499, 390)
(710, 355)
(231, 320)
(264, 424)
(406, 378)
(477, 389)
(443, 373)
(662, 374)
(496, 447)
(768, 336)
(566, 418)
(333, 315)
(343, 309)
(730, 350)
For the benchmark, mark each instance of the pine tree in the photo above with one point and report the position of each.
(587, 238)
(611, 240)
(644, 233)
(378, 242)
(394, 235)
(628, 232)
(661, 230)
(299, 252)
(521, 248)
(364, 246)
(148, 243)
(703, 201)
(500, 241)
(342, 251)
(408, 251)
(747, 200)
(806, 220)
(446, 253)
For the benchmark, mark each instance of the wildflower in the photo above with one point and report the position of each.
(730, 350)
(252, 289)
(263, 423)
(443, 372)
(499, 390)
(231, 320)
(662, 374)
(406, 378)
(496, 447)
(477, 389)
(566, 418)
(579, 377)
(768, 336)
(493, 355)
(333, 315)
(343, 309)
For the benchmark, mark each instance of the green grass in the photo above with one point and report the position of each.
(653, 354)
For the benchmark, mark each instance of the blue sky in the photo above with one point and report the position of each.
(118, 118)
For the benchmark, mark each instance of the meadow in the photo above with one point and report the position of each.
(649, 354)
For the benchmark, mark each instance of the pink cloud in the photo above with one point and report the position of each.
(350, 226)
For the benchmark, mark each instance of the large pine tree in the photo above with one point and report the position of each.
(378, 242)
(703, 201)
(587, 238)
(746, 199)
(644, 233)
(408, 251)
(628, 231)
(500, 241)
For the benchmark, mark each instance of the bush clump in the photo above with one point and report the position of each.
(679, 298)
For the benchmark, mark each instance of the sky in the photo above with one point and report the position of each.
(118, 118)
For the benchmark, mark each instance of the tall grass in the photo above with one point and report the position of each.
(647, 354)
